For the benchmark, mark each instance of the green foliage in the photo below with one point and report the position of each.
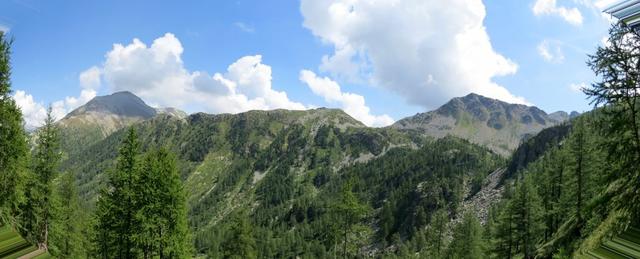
(467, 241)
(38, 211)
(161, 227)
(617, 91)
(535, 147)
(348, 211)
(568, 180)
(143, 211)
(239, 242)
(286, 172)
(68, 239)
(526, 210)
(116, 209)
(13, 141)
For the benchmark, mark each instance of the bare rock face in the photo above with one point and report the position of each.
(489, 194)
(497, 125)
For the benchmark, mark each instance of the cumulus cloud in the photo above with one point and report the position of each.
(352, 104)
(550, 7)
(90, 78)
(34, 112)
(551, 51)
(157, 74)
(427, 51)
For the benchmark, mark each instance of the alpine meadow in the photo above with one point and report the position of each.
(279, 156)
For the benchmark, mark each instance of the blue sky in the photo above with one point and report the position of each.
(378, 60)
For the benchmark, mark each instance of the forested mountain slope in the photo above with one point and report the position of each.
(286, 176)
(281, 172)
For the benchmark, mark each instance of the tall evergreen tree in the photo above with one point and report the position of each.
(39, 207)
(116, 210)
(526, 209)
(349, 211)
(579, 182)
(504, 244)
(161, 217)
(13, 141)
(438, 229)
(617, 67)
(66, 232)
(467, 240)
(239, 241)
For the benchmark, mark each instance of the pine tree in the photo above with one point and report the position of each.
(162, 221)
(616, 65)
(438, 229)
(13, 141)
(116, 210)
(39, 207)
(349, 211)
(239, 242)
(526, 211)
(504, 243)
(578, 185)
(467, 240)
(66, 234)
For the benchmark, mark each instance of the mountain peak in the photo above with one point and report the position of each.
(122, 103)
(499, 125)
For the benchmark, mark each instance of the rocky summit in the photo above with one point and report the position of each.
(489, 122)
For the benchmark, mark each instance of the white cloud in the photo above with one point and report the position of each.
(428, 51)
(602, 4)
(90, 78)
(352, 104)
(157, 74)
(550, 7)
(577, 87)
(551, 51)
(34, 112)
(245, 27)
(4, 28)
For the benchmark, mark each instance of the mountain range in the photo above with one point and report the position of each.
(285, 167)
(497, 125)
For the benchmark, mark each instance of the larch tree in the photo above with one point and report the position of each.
(66, 233)
(527, 215)
(239, 241)
(162, 228)
(13, 140)
(116, 209)
(617, 66)
(467, 240)
(350, 211)
(45, 169)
